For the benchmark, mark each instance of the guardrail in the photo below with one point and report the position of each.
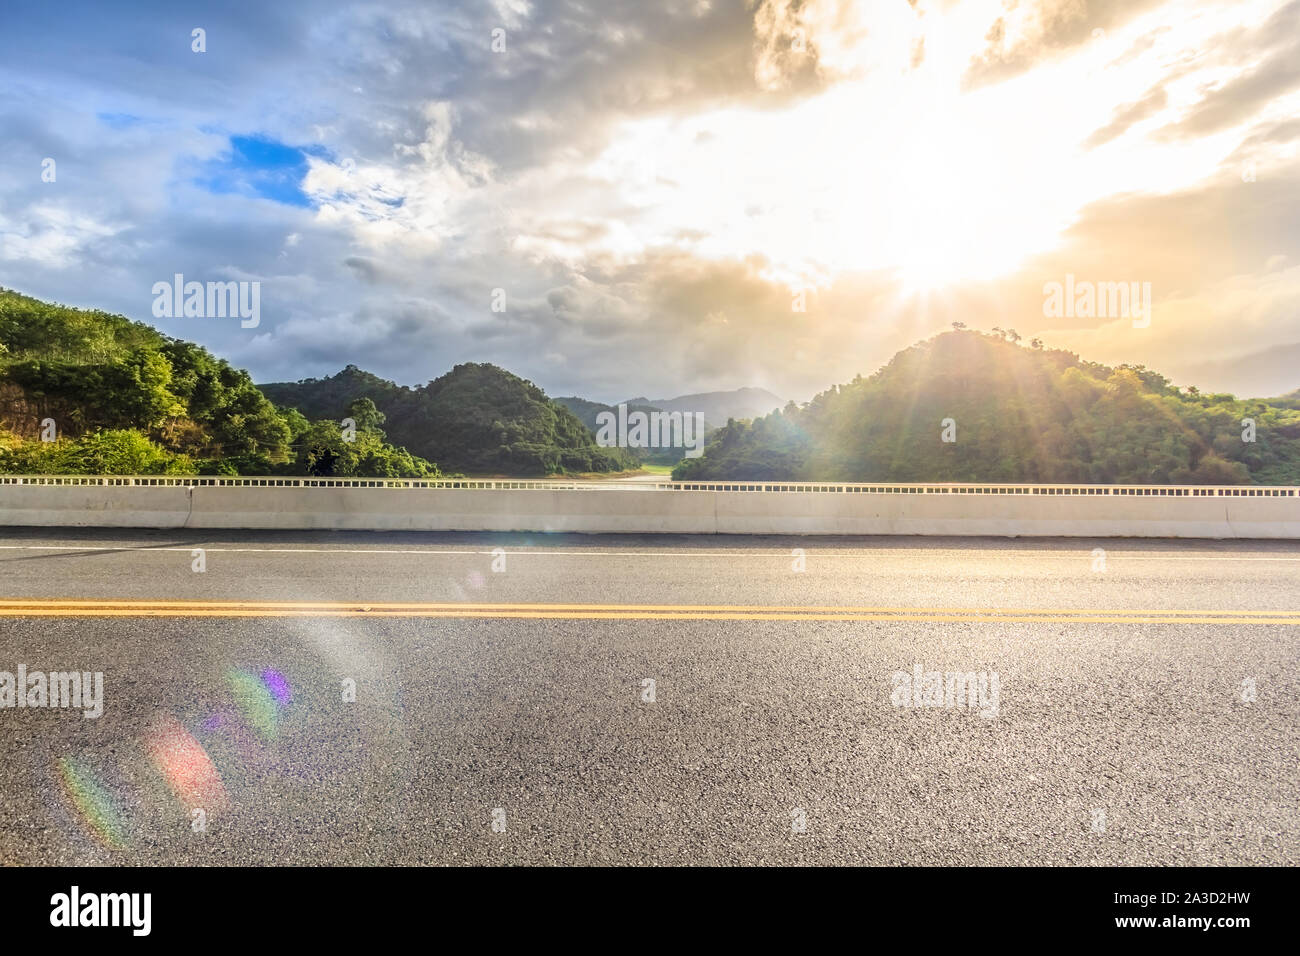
(685, 507)
(546, 484)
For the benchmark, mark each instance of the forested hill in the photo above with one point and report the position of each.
(90, 370)
(330, 397)
(1018, 415)
(125, 399)
(477, 419)
(1289, 400)
(119, 397)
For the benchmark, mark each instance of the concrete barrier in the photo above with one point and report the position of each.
(997, 514)
(81, 506)
(1001, 510)
(406, 509)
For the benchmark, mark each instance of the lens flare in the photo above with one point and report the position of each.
(98, 810)
(278, 686)
(257, 702)
(186, 767)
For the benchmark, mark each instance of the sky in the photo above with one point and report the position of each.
(665, 196)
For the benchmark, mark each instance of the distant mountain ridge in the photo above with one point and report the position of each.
(587, 410)
(1243, 374)
(718, 407)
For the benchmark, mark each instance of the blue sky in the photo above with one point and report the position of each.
(260, 167)
(653, 183)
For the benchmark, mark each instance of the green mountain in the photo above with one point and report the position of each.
(1018, 415)
(587, 412)
(477, 419)
(119, 397)
(88, 392)
(330, 397)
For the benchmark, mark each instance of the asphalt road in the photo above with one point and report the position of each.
(1145, 711)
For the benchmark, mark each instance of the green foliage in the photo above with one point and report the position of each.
(47, 332)
(318, 398)
(323, 451)
(477, 419)
(132, 391)
(114, 452)
(1289, 400)
(91, 371)
(295, 421)
(129, 400)
(365, 414)
(1022, 415)
(232, 411)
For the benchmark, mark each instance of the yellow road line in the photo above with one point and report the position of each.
(18, 607)
(900, 553)
(421, 606)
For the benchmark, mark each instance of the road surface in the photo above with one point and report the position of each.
(574, 699)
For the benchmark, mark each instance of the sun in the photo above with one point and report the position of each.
(951, 213)
(888, 170)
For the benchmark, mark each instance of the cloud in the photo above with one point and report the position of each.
(649, 182)
(1271, 133)
(1127, 116)
(1221, 259)
(807, 44)
(1029, 33)
(1269, 57)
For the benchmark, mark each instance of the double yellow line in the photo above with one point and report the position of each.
(22, 607)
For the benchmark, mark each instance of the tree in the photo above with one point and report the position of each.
(323, 452)
(295, 421)
(366, 415)
(113, 452)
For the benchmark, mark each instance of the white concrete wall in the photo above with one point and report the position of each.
(1076, 515)
(93, 507)
(602, 510)
(426, 509)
